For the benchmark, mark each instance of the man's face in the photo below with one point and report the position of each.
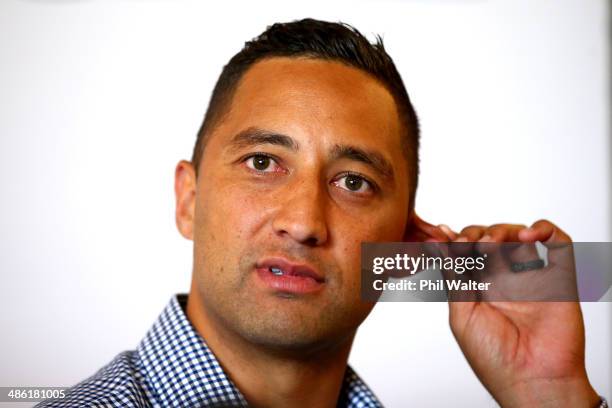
(306, 165)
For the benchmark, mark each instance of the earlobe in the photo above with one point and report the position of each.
(185, 193)
(419, 230)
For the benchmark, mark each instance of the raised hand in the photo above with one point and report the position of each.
(526, 353)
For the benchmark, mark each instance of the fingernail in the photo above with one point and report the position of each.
(486, 238)
(461, 239)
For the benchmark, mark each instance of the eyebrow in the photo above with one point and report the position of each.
(255, 136)
(372, 158)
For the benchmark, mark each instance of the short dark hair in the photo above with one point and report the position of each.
(317, 39)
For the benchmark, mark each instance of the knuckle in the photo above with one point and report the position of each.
(542, 221)
(472, 229)
(506, 226)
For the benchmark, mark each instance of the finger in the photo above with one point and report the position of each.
(560, 252)
(420, 230)
(504, 232)
(545, 232)
(473, 233)
(503, 239)
(450, 234)
(463, 244)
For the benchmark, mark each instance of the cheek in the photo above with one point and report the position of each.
(350, 232)
(375, 226)
(224, 223)
(227, 213)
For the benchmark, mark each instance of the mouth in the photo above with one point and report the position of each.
(285, 276)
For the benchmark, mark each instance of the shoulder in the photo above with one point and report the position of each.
(118, 384)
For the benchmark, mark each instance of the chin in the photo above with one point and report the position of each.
(298, 344)
(297, 334)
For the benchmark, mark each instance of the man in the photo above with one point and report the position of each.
(308, 148)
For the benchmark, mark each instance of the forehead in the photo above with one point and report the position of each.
(317, 102)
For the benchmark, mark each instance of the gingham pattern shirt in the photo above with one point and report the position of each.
(173, 367)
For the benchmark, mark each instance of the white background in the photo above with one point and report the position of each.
(100, 99)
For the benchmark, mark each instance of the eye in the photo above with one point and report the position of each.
(354, 183)
(262, 163)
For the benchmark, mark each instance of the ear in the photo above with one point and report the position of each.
(419, 230)
(185, 193)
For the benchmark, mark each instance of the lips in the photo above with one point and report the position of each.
(283, 275)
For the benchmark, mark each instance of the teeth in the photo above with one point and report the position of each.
(276, 271)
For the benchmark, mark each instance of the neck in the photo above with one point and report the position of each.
(273, 378)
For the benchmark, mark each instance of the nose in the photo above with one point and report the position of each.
(301, 214)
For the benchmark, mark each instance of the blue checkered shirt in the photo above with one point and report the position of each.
(173, 367)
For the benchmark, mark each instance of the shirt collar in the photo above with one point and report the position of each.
(181, 370)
